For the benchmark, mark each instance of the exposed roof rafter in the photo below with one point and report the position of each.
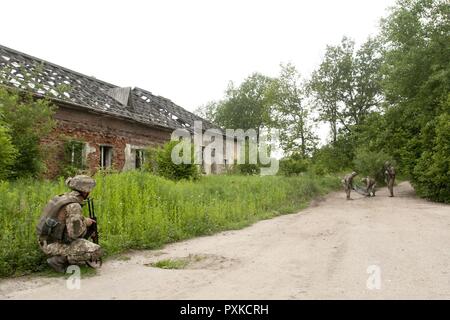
(44, 78)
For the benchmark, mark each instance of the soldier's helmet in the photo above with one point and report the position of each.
(387, 164)
(81, 183)
(354, 173)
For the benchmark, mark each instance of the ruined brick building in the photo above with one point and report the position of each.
(103, 125)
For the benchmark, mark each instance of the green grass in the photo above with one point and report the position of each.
(180, 263)
(177, 263)
(85, 272)
(137, 210)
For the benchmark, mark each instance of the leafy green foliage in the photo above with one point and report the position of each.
(29, 120)
(432, 172)
(248, 169)
(291, 114)
(416, 84)
(370, 163)
(335, 157)
(73, 158)
(346, 86)
(7, 152)
(294, 165)
(246, 106)
(159, 161)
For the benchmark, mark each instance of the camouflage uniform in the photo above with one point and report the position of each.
(390, 177)
(370, 185)
(70, 247)
(348, 183)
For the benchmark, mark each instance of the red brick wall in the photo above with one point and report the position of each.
(97, 130)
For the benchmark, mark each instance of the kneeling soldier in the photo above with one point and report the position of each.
(370, 185)
(62, 229)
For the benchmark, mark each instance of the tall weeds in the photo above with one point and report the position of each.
(137, 210)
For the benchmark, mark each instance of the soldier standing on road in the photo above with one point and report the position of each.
(389, 173)
(348, 183)
(63, 230)
(370, 185)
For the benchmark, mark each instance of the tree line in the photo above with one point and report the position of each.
(386, 99)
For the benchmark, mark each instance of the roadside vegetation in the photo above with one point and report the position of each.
(137, 210)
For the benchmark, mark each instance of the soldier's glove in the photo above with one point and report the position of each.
(91, 231)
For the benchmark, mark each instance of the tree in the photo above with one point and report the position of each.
(416, 70)
(291, 115)
(208, 111)
(247, 106)
(28, 119)
(432, 172)
(346, 86)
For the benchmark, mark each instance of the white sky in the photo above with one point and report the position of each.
(186, 51)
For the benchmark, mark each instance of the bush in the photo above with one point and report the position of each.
(29, 120)
(159, 161)
(294, 165)
(7, 153)
(334, 157)
(431, 178)
(319, 170)
(370, 163)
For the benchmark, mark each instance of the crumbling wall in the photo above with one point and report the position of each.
(96, 130)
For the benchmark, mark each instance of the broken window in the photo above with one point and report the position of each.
(203, 160)
(106, 153)
(140, 158)
(74, 154)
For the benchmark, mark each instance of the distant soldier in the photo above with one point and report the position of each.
(348, 183)
(63, 230)
(389, 173)
(370, 185)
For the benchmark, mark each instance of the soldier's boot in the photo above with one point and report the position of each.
(58, 263)
(95, 261)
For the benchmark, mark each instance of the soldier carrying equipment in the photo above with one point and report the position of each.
(347, 182)
(389, 173)
(63, 230)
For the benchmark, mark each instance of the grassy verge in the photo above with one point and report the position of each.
(177, 263)
(140, 211)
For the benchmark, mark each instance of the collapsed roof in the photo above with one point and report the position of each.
(60, 84)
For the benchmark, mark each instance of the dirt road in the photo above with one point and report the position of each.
(399, 246)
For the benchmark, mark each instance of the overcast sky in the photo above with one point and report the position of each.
(186, 51)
